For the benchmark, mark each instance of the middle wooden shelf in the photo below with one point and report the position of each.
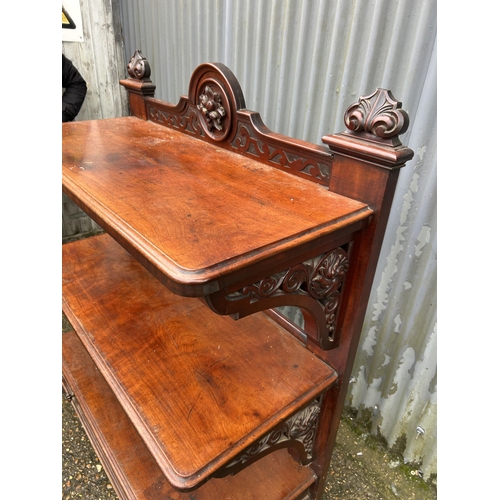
(200, 389)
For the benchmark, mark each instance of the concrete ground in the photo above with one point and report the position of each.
(361, 466)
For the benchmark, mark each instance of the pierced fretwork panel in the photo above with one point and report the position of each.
(315, 286)
(187, 121)
(297, 432)
(247, 142)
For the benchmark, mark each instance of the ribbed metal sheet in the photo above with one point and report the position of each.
(301, 64)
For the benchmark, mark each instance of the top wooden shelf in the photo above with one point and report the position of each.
(196, 215)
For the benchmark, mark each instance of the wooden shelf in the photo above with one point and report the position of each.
(196, 215)
(211, 217)
(134, 472)
(198, 387)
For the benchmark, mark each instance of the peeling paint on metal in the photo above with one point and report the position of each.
(387, 360)
(370, 341)
(421, 152)
(397, 321)
(423, 238)
(397, 249)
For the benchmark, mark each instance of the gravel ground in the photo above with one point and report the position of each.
(82, 473)
(361, 466)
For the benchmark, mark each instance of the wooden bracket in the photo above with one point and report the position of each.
(298, 432)
(314, 285)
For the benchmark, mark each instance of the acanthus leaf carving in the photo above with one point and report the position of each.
(379, 114)
(138, 67)
(329, 274)
(298, 432)
(314, 285)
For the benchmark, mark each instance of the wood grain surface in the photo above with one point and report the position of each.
(191, 211)
(131, 468)
(198, 387)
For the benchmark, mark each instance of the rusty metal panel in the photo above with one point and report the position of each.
(301, 64)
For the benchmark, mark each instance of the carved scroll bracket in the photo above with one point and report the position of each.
(315, 286)
(298, 432)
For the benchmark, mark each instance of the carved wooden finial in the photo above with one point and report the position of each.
(373, 126)
(138, 67)
(379, 114)
(138, 84)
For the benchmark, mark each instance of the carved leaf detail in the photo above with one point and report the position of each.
(264, 288)
(330, 308)
(300, 428)
(294, 278)
(319, 280)
(138, 66)
(379, 114)
(303, 427)
(329, 274)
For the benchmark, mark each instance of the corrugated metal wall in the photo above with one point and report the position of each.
(301, 64)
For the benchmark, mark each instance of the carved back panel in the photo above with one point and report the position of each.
(214, 111)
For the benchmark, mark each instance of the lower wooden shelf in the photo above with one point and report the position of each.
(131, 468)
(200, 390)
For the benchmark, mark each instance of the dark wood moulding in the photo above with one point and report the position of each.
(211, 218)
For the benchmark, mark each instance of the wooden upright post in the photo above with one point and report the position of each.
(138, 84)
(367, 158)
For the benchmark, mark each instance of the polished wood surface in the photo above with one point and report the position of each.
(194, 214)
(215, 205)
(134, 472)
(214, 111)
(199, 388)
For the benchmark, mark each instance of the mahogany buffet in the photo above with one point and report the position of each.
(189, 381)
